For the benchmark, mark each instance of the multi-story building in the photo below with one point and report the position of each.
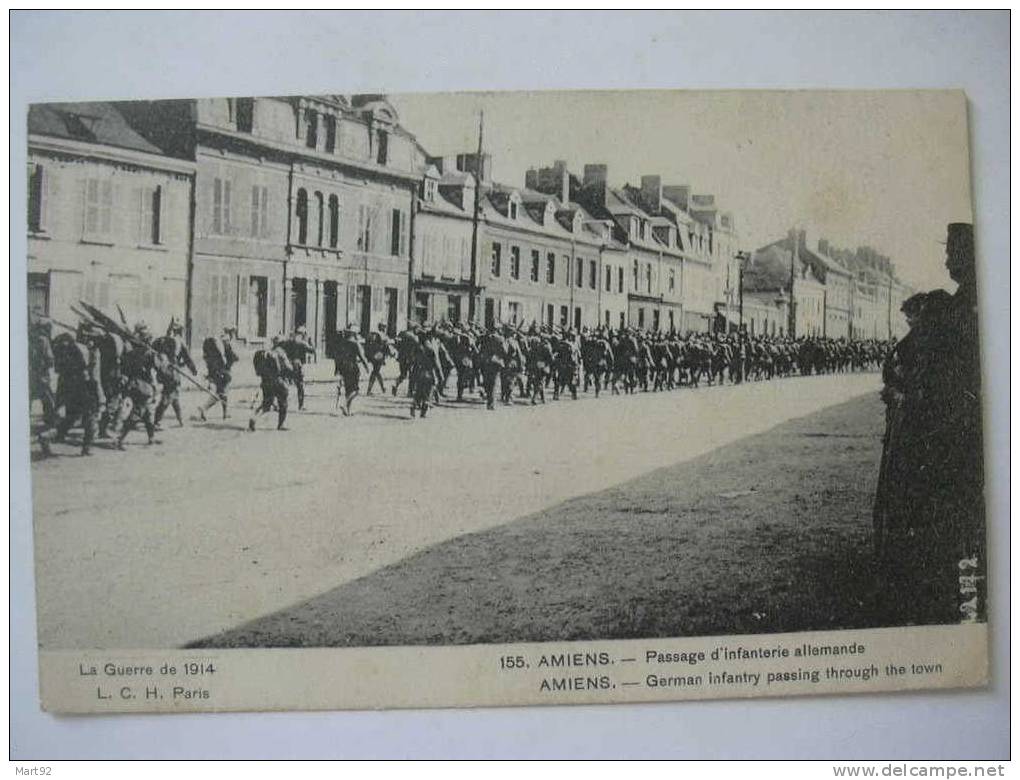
(108, 216)
(443, 231)
(838, 290)
(775, 269)
(653, 269)
(543, 261)
(302, 211)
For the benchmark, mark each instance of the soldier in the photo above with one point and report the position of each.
(407, 348)
(348, 362)
(40, 370)
(219, 358)
(378, 349)
(492, 348)
(274, 369)
(172, 346)
(298, 349)
(539, 362)
(513, 368)
(141, 365)
(78, 364)
(424, 371)
(565, 361)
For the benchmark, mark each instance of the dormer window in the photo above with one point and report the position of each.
(382, 147)
(512, 209)
(641, 227)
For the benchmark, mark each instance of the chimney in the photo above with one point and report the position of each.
(823, 246)
(595, 176)
(680, 194)
(468, 163)
(651, 193)
(562, 180)
(553, 181)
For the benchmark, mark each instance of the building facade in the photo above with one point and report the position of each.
(108, 218)
(303, 209)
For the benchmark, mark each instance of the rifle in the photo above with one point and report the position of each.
(98, 319)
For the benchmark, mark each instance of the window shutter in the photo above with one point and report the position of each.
(264, 212)
(138, 197)
(255, 211)
(217, 206)
(226, 206)
(108, 224)
(403, 233)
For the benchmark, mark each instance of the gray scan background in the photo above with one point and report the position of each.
(105, 55)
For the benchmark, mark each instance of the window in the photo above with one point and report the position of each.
(320, 214)
(330, 122)
(398, 235)
(672, 282)
(453, 308)
(550, 273)
(579, 275)
(244, 114)
(623, 320)
(577, 317)
(564, 316)
(364, 228)
(593, 274)
(536, 262)
(302, 216)
(619, 279)
(259, 211)
(550, 315)
(672, 323)
(150, 215)
(514, 312)
(636, 276)
(334, 221)
(37, 198)
(609, 280)
(98, 208)
(513, 209)
(648, 277)
(642, 229)
(496, 259)
(421, 307)
(515, 262)
(655, 319)
(641, 317)
(429, 190)
(382, 147)
(311, 129)
(221, 206)
(566, 273)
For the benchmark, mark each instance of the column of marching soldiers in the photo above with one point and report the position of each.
(111, 377)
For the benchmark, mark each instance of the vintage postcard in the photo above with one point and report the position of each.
(428, 400)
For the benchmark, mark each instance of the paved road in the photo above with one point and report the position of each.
(162, 545)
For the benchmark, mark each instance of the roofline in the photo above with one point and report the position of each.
(109, 153)
(309, 155)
